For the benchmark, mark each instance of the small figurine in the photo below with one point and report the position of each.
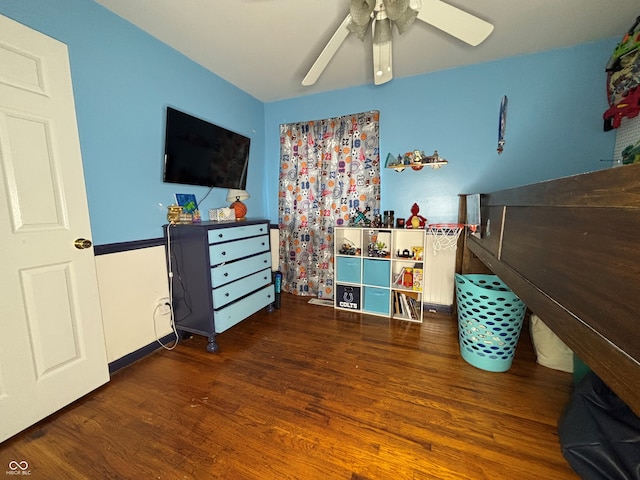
(415, 220)
(347, 249)
(404, 254)
(631, 154)
(361, 217)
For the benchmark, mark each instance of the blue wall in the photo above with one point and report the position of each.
(554, 127)
(124, 79)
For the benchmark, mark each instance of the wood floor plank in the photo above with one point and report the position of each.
(307, 392)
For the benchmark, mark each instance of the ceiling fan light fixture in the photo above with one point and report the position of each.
(361, 11)
(400, 13)
(395, 8)
(382, 31)
(403, 22)
(382, 15)
(359, 30)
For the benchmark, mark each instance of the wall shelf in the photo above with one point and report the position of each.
(415, 160)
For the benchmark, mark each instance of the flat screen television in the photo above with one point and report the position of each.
(197, 152)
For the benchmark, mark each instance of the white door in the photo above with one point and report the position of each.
(52, 347)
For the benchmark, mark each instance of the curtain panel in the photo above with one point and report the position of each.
(329, 172)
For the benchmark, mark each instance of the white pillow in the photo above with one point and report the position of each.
(551, 352)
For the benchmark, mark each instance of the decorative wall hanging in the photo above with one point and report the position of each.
(502, 124)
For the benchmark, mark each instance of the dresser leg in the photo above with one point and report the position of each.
(212, 346)
(184, 335)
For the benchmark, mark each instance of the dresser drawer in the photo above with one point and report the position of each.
(226, 252)
(228, 272)
(218, 235)
(228, 316)
(232, 291)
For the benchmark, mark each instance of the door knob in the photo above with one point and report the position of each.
(82, 243)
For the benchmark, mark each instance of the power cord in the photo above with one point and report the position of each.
(173, 327)
(155, 310)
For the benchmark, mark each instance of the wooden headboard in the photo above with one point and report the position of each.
(570, 249)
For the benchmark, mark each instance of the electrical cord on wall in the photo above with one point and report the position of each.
(169, 304)
(173, 328)
(202, 199)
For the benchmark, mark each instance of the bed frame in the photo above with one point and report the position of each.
(570, 249)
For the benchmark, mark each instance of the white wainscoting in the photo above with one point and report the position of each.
(439, 275)
(130, 284)
(274, 237)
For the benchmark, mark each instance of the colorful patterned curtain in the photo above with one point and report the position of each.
(329, 171)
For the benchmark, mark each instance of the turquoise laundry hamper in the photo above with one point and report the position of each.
(490, 320)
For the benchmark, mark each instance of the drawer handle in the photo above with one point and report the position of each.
(263, 244)
(223, 253)
(265, 261)
(219, 235)
(226, 274)
(226, 294)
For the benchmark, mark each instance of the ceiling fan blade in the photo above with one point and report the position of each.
(458, 23)
(382, 65)
(327, 53)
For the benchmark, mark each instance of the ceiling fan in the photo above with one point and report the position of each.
(381, 15)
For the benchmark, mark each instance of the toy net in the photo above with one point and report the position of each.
(445, 235)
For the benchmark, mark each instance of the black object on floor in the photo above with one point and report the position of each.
(599, 433)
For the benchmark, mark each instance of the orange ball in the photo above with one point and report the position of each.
(240, 209)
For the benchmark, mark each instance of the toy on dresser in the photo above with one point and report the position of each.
(415, 220)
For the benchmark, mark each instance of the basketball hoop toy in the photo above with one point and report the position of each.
(445, 235)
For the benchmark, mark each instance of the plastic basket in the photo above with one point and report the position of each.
(490, 319)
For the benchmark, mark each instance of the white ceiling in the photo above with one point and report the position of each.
(266, 47)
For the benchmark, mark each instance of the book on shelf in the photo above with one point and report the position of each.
(417, 279)
(406, 305)
(396, 303)
(413, 308)
(397, 280)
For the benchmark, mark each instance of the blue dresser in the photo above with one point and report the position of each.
(220, 273)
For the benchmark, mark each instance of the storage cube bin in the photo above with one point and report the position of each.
(376, 272)
(376, 300)
(347, 296)
(490, 319)
(348, 269)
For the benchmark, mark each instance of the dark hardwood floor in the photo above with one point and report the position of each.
(308, 392)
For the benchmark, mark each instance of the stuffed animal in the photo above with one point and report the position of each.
(415, 220)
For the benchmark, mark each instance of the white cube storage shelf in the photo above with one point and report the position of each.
(385, 272)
